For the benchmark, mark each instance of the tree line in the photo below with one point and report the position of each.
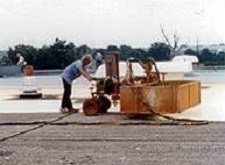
(61, 53)
(207, 57)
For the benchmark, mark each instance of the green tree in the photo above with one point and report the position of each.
(206, 57)
(143, 53)
(27, 51)
(127, 51)
(124, 52)
(221, 58)
(5, 60)
(56, 56)
(43, 58)
(136, 53)
(11, 55)
(190, 52)
(82, 50)
(112, 48)
(159, 51)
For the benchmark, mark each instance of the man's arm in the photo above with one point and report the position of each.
(85, 74)
(20, 61)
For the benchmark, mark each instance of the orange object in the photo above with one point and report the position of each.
(28, 70)
(173, 97)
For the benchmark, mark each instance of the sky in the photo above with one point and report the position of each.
(99, 23)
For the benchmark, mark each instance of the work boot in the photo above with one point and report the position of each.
(73, 110)
(64, 110)
(67, 110)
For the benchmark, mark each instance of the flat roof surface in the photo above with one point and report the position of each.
(211, 108)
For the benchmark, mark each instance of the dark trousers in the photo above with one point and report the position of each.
(66, 101)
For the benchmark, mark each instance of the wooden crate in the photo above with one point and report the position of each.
(173, 97)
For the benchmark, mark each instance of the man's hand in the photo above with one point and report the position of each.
(85, 74)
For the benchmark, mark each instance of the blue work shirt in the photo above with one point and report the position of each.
(72, 72)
